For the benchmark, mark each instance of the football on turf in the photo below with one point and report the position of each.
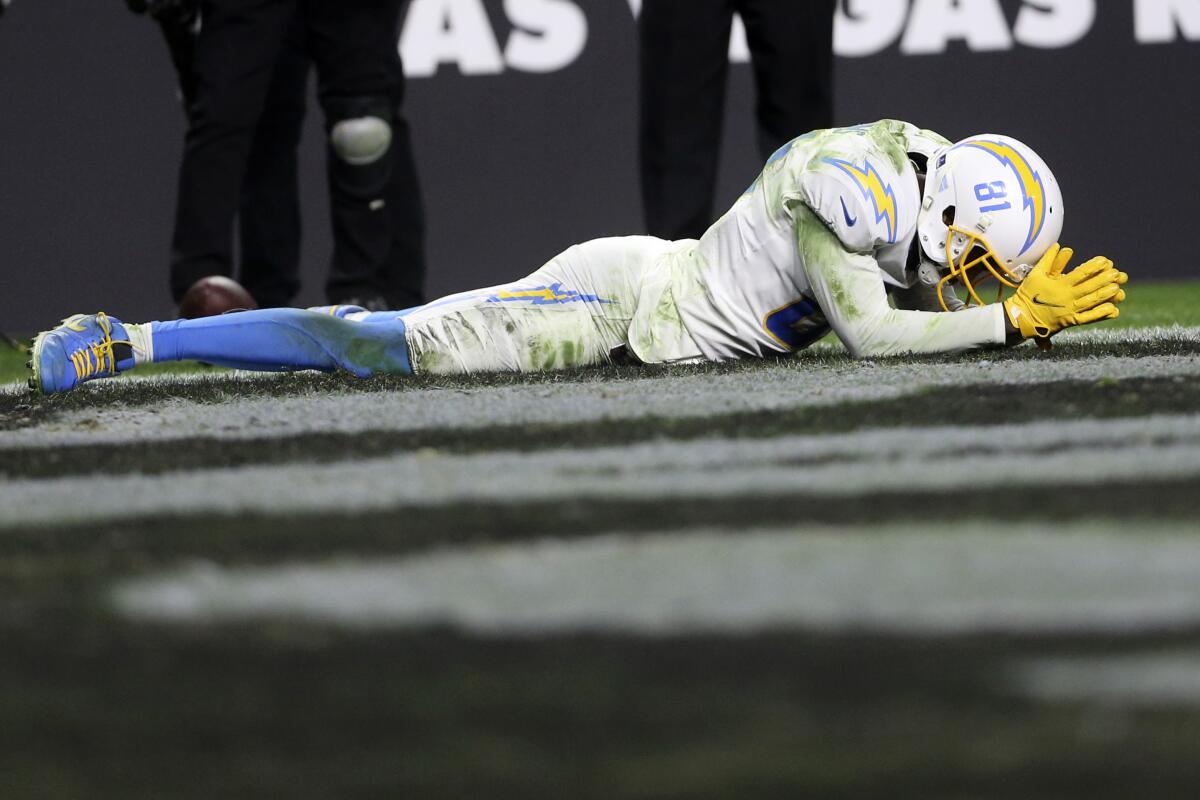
(214, 295)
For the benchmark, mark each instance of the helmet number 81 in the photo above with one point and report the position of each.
(992, 191)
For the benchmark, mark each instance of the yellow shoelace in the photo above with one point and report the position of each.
(96, 356)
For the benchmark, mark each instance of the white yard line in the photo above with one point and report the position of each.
(1068, 453)
(1157, 679)
(935, 580)
(1109, 336)
(786, 385)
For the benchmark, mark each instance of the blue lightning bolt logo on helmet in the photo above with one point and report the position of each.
(873, 188)
(1032, 189)
(979, 222)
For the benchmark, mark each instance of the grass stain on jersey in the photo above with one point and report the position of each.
(543, 354)
(842, 296)
(888, 138)
(821, 248)
(666, 310)
(427, 361)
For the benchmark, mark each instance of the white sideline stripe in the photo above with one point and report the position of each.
(1152, 335)
(1062, 453)
(1168, 678)
(936, 580)
(784, 385)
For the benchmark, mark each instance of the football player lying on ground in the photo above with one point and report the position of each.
(838, 220)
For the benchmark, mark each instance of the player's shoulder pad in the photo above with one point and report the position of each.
(861, 193)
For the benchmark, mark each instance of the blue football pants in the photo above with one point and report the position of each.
(284, 339)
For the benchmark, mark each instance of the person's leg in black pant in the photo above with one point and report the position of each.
(683, 46)
(791, 44)
(353, 43)
(269, 217)
(178, 27)
(402, 277)
(236, 53)
(402, 274)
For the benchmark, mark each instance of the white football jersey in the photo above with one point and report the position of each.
(811, 245)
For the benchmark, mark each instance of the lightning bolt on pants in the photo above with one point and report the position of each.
(573, 311)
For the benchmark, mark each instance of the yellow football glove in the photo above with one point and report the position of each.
(1049, 300)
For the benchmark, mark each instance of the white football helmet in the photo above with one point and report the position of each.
(991, 204)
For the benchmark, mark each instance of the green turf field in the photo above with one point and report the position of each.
(969, 576)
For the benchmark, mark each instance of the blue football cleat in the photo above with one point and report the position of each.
(82, 348)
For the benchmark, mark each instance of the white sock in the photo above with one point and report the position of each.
(142, 340)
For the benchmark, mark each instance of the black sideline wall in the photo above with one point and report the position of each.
(523, 116)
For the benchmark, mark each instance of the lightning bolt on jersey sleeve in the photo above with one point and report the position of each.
(861, 183)
(847, 287)
(860, 198)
